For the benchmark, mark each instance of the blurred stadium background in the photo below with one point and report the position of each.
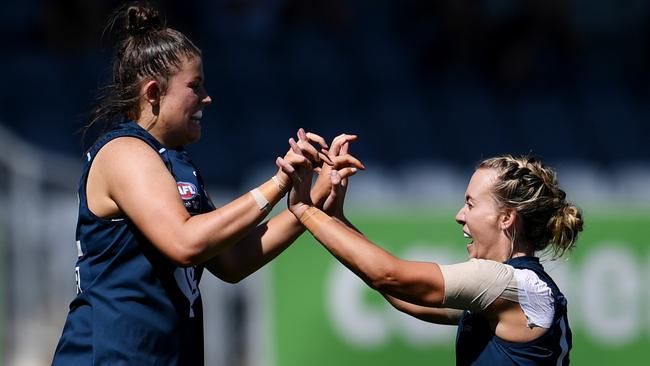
(430, 87)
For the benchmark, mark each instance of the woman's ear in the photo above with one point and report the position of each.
(151, 92)
(508, 219)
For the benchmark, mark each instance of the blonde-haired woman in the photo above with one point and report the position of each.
(507, 308)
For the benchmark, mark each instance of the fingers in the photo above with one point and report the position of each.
(339, 184)
(317, 139)
(347, 172)
(335, 178)
(338, 143)
(310, 137)
(295, 156)
(288, 169)
(294, 146)
(284, 166)
(339, 147)
(344, 148)
(302, 136)
(325, 158)
(304, 147)
(348, 160)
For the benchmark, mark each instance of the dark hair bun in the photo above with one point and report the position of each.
(141, 18)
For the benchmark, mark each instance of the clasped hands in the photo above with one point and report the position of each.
(333, 164)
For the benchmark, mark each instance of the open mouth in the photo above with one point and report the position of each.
(468, 236)
(196, 118)
(471, 250)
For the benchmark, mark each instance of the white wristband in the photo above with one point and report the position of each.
(278, 183)
(262, 202)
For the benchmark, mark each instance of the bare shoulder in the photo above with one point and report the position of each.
(122, 162)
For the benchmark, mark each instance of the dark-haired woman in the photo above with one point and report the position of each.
(507, 308)
(146, 227)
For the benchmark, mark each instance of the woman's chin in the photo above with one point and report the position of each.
(471, 250)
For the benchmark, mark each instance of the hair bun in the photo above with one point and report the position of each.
(565, 226)
(141, 19)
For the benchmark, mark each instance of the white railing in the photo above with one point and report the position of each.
(38, 194)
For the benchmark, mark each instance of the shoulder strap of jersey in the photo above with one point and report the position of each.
(132, 129)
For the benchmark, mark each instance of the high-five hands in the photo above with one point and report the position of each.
(334, 167)
(338, 175)
(301, 153)
(334, 178)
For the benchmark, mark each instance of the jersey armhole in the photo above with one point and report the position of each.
(91, 158)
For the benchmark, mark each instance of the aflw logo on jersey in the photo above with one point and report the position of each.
(186, 190)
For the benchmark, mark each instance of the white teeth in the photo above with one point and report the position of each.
(196, 117)
(466, 235)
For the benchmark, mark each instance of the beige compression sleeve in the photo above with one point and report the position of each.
(475, 284)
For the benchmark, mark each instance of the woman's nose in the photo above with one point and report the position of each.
(460, 216)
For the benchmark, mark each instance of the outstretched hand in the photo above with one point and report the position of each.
(338, 178)
(299, 199)
(301, 152)
(330, 188)
(334, 167)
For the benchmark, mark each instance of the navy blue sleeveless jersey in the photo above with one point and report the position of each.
(133, 305)
(476, 343)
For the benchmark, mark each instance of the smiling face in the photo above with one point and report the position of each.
(482, 220)
(178, 121)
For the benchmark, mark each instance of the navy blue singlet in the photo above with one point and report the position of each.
(476, 343)
(133, 305)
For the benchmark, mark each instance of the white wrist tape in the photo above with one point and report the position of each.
(280, 185)
(261, 201)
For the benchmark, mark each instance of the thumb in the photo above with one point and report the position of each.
(339, 184)
(335, 178)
